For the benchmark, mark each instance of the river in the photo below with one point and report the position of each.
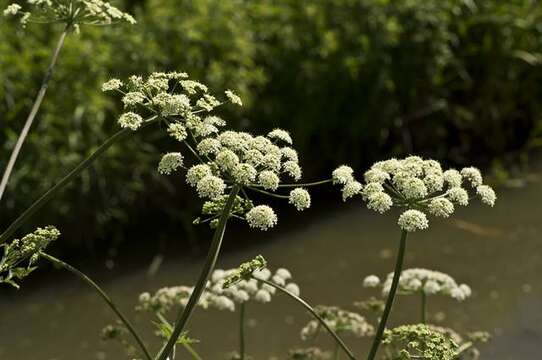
(497, 251)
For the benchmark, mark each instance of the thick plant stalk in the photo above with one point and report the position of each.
(184, 314)
(424, 308)
(104, 296)
(14, 226)
(336, 337)
(389, 302)
(33, 112)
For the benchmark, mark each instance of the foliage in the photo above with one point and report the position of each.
(391, 72)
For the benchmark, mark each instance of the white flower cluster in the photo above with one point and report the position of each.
(170, 162)
(344, 175)
(74, 12)
(416, 184)
(224, 158)
(216, 296)
(261, 217)
(430, 282)
(340, 321)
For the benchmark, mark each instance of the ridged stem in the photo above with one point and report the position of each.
(33, 112)
(391, 296)
(184, 314)
(424, 307)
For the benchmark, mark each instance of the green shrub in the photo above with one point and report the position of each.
(352, 80)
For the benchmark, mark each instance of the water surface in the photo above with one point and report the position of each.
(497, 251)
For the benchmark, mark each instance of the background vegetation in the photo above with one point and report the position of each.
(354, 80)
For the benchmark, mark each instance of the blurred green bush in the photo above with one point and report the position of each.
(354, 81)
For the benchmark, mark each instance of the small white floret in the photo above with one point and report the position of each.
(412, 220)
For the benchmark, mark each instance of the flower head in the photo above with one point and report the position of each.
(338, 320)
(351, 189)
(223, 291)
(93, 12)
(430, 282)
(113, 84)
(419, 341)
(342, 175)
(487, 194)
(20, 250)
(412, 220)
(268, 180)
(170, 162)
(197, 172)
(441, 207)
(130, 120)
(245, 271)
(262, 217)
(371, 281)
(177, 131)
(379, 201)
(211, 187)
(472, 175)
(224, 159)
(133, 98)
(282, 135)
(244, 174)
(293, 169)
(300, 198)
(420, 186)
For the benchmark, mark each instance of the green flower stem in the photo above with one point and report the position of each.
(314, 183)
(336, 337)
(184, 314)
(389, 302)
(67, 179)
(269, 193)
(242, 331)
(33, 112)
(104, 296)
(424, 307)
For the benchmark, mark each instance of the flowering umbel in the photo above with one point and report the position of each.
(420, 186)
(418, 342)
(70, 12)
(341, 321)
(225, 289)
(429, 282)
(21, 250)
(224, 159)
